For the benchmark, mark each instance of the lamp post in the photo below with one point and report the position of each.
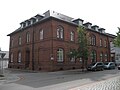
(1, 57)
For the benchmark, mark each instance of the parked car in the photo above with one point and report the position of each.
(109, 65)
(118, 67)
(96, 66)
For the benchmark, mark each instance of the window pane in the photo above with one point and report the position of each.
(28, 37)
(61, 33)
(100, 42)
(19, 57)
(12, 41)
(41, 34)
(11, 60)
(19, 42)
(60, 55)
(72, 36)
(58, 33)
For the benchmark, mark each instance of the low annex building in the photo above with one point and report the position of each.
(43, 41)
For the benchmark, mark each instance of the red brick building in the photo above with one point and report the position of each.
(43, 42)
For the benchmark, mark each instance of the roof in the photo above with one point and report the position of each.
(52, 14)
(110, 35)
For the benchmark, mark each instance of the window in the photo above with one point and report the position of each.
(28, 37)
(60, 32)
(12, 41)
(11, 57)
(106, 57)
(71, 36)
(100, 42)
(92, 40)
(72, 59)
(105, 43)
(41, 34)
(101, 56)
(19, 57)
(93, 56)
(19, 41)
(60, 55)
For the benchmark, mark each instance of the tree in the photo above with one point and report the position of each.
(82, 51)
(117, 39)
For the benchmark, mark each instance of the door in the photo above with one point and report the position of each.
(27, 62)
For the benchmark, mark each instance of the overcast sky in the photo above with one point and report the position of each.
(104, 13)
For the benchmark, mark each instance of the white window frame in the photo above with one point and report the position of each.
(100, 42)
(28, 37)
(41, 34)
(60, 32)
(95, 54)
(19, 57)
(105, 43)
(71, 36)
(19, 40)
(72, 59)
(60, 55)
(101, 57)
(11, 57)
(106, 57)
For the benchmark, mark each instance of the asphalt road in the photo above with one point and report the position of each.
(62, 80)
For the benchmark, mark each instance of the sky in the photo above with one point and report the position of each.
(104, 13)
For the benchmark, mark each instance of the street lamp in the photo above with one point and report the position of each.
(2, 56)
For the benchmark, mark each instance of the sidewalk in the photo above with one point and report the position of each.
(8, 77)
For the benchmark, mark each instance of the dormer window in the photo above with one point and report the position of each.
(27, 23)
(88, 25)
(95, 27)
(78, 21)
(23, 24)
(101, 30)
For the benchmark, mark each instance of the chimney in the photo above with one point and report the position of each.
(95, 27)
(88, 25)
(101, 30)
(78, 21)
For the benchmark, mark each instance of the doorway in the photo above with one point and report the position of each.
(27, 62)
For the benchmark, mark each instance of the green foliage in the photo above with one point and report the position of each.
(82, 50)
(117, 39)
(83, 43)
(72, 53)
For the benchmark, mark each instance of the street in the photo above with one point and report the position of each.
(63, 80)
